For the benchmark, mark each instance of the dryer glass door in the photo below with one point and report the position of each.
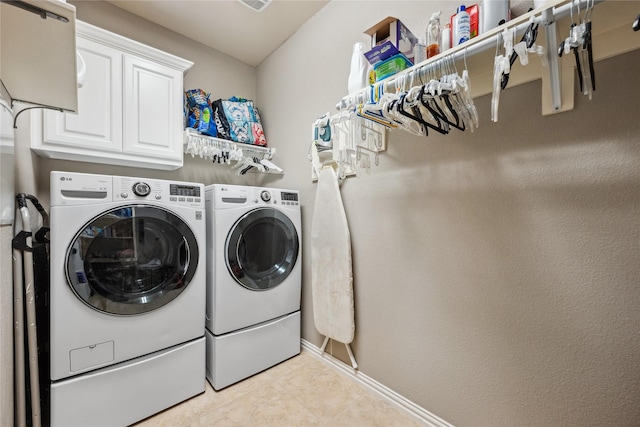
(131, 260)
(262, 249)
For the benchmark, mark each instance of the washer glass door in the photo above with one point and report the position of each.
(131, 260)
(262, 249)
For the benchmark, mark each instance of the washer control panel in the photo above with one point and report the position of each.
(289, 198)
(70, 188)
(141, 189)
(156, 190)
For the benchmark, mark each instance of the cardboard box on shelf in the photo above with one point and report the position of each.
(398, 36)
(474, 22)
(381, 53)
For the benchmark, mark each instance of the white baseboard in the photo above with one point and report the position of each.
(417, 412)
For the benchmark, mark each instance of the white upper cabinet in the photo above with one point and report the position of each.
(156, 94)
(98, 123)
(129, 107)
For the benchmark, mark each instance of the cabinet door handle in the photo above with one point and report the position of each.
(82, 69)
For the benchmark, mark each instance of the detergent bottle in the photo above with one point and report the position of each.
(359, 74)
(461, 27)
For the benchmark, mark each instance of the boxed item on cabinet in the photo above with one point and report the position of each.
(388, 38)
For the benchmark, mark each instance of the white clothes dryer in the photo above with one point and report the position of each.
(254, 280)
(126, 298)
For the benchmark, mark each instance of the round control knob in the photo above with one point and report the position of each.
(124, 195)
(265, 196)
(141, 189)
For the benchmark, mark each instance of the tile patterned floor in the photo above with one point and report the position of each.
(302, 391)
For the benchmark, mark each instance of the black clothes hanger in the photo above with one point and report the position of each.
(430, 103)
(441, 127)
(589, 48)
(581, 43)
(576, 54)
(529, 37)
(417, 116)
(398, 106)
(457, 124)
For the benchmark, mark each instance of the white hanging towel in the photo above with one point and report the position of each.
(331, 272)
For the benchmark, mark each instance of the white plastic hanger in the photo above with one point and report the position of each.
(501, 65)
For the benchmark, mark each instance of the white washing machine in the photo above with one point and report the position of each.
(127, 297)
(254, 280)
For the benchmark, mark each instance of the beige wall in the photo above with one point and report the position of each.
(496, 273)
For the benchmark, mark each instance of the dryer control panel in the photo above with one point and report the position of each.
(274, 196)
(233, 196)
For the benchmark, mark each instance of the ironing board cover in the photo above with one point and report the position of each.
(331, 270)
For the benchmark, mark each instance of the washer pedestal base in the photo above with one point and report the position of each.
(237, 355)
(130, 391)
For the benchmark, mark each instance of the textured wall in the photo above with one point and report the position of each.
(495, 272)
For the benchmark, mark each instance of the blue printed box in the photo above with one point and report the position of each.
(390, 31)
(381, 52)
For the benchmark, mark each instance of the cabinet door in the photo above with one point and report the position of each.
(98, 123)
(152, 109)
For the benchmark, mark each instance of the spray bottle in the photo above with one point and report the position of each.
(433, 35)
(419, 51)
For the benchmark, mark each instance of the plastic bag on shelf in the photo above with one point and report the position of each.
(238, 120)
(199, 113)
